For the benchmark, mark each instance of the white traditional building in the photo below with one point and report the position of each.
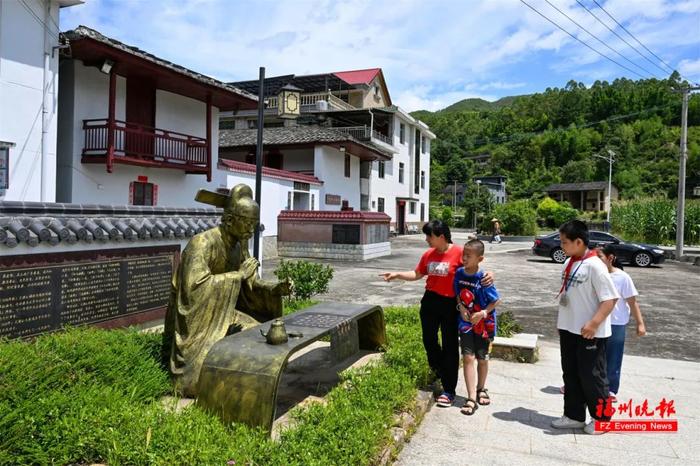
(135, 129)
(368, 154)
(29, 45)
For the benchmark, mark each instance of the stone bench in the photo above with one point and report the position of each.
(520, 347)
(241, 373)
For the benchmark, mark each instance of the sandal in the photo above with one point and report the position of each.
(469, 407)
(445, 400)
(482, 395)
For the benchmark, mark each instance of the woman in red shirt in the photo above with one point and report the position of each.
(437, 307)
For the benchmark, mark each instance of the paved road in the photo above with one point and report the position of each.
(669, 294)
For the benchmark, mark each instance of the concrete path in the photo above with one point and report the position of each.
(516, 430)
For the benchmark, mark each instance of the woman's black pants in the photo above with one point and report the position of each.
(440, 312)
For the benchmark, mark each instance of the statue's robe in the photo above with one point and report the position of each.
(209, 300)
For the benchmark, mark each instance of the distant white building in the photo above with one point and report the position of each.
(29, 46)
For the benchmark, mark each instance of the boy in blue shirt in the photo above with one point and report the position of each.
(477, 323)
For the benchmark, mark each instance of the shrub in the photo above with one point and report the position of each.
(306, 278)
(554, 213)
(447, 217)
(507, 325)
(517, 218)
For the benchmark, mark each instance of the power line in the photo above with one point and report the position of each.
(633, 37)
(579, 40)
(599, 40)
(46, 27)
(620, 37)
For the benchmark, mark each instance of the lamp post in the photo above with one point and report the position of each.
(610, 159)
(288, 106)
(478, 184)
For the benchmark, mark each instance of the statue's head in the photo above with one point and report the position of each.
(241, 213)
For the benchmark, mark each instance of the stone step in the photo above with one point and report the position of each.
(520, 347)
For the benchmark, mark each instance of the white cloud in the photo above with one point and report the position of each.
(690, 68)
(432, 53)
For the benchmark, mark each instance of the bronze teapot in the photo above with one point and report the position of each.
(277, 334)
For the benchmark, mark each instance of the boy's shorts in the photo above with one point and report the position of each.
(475, 344)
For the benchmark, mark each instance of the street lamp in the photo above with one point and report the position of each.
(610, 158)
(478, 184)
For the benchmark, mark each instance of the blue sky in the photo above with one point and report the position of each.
(433, 53)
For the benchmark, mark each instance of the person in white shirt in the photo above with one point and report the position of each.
(626, 305)
(586, 298)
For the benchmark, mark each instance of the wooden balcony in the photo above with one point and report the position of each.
(134, 144)
(308, 101)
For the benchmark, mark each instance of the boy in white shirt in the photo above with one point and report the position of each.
(586, 298)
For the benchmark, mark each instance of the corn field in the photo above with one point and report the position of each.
(653, 220)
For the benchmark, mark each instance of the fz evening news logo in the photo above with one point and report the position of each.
(642, 418)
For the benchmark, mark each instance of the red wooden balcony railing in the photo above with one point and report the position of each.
(136, 144)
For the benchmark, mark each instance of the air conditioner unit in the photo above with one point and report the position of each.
(322, 105)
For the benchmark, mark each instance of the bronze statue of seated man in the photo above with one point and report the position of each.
(216, 289)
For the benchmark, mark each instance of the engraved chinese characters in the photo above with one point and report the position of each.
(82, 289)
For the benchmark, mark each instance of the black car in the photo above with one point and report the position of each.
(642, 255)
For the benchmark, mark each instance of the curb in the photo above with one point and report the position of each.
(405, 424)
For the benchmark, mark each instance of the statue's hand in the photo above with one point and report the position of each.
(283, 288)
(249, 267)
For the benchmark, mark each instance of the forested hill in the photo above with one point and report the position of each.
(550, 137)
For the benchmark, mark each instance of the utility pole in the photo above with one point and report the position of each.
(680, 215)
(454, 196)
(610, 159)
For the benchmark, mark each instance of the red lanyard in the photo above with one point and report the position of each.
(574, 259)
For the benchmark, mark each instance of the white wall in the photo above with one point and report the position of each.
(24, 41)
(274, 196)
(389, 187)
(329, 167)
(92, 184)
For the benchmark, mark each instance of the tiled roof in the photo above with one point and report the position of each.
(332, 215)
(358, 76)
(242, 167)
(37, 223)
(83, 32)
(291, 135)
(587, 186)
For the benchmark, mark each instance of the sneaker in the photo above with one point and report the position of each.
(566, 423)
(445, 400)
(590, 429)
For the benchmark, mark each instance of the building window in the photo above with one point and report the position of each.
(412, 207)
(313, 202)
(381, 169)
(422, 179)
(422, 212)
(347, 166)
(380, 204)
(400, 172)
(290, 198)
(252, 124)
(143, 193)
(422, 144)
(227, 123)
(4, 169)
(402, 133)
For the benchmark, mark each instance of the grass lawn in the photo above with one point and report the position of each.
(89, 395)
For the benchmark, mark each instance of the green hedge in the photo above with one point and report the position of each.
(516, 217)
(653, 220)
(89, 395)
